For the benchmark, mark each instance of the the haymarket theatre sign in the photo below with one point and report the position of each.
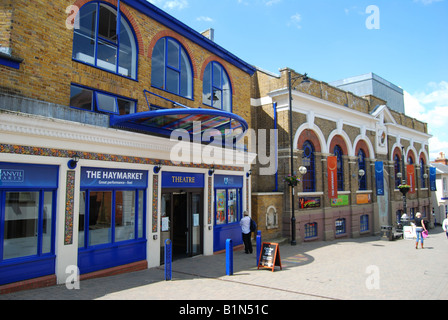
(102, 177)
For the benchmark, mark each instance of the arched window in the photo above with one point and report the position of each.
(309, 179)
(338, 153)
(217, 91)
(422, 173)
(397, 164)
(362, 166)
(171, 68)
(101, 42)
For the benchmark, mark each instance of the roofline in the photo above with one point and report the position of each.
(169, 21)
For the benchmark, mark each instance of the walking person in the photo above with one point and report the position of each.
(419, 228)
(245, 224)
(445, 225)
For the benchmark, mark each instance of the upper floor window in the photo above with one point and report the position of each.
(101, 42)
(338, 153)
(217, 91)
(362, 166)
(397, 165)
(171, 68)
(309, 179)
(98, 101)
(422, 173)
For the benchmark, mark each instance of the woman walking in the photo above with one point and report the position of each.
(419, 228)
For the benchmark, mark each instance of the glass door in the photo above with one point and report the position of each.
(196, 224)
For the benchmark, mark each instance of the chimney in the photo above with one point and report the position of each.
(209, 34)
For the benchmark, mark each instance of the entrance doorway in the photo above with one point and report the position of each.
(182, 216)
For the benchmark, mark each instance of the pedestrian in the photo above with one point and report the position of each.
(245, 228)
(445, 225)
(419, 228)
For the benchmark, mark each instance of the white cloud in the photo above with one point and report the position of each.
(206, 19)
(427, 2)
(431, 107)
(170, 4)
(295, 20)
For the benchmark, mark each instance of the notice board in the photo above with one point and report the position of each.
(270, 256)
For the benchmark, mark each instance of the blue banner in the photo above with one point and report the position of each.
(15, 175)
(115, 178)
(432, 178)
(379, 178)
(228, 181)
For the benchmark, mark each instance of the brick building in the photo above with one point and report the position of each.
(90, 94)
(363, 134)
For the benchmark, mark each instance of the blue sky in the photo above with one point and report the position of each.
(402, 41)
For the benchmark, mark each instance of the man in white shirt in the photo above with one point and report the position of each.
(445, 225)
(245, 228)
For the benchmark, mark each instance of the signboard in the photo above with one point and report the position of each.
(15, 175)
(270, 256)
(363, 198)
(332, 168)
(341, 200)
(182, 180)
(104, 177)
(309, 202)
(379, 178)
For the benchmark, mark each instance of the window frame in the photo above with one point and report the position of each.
(138, 236)
(340, 226)
(311, 230)
(338, 152)
(362, 181)
(239, 205)
(95, 36)
(213, 87)
(94, 105)
(165, 65)
(309, 179)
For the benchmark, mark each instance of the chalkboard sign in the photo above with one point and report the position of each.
(270, 256)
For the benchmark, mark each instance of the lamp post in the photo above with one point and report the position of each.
(403, 190)
(305, 79)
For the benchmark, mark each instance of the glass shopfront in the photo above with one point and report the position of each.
(27, 221)
(228, 210)
(111, 218)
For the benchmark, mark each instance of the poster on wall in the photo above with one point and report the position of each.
(309, 202)
(332, 168)
(341, 200)
(220, 206)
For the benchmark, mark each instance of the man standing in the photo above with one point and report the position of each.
(445, 225)
(245, 228)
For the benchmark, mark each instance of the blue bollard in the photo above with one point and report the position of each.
(258, 245)
(229, 257)
(168, 260)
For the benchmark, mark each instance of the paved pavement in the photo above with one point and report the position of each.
(348, 269)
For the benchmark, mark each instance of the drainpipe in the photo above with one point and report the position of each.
(276, 146)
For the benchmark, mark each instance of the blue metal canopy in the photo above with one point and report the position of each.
(163, 122)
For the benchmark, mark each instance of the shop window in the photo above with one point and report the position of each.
(217, 91)
(108, 217)
(228, 206)
(97, 41)
(364, 223)
(340, 226)
(309, 179)
(28, 223)
(340, 167)
(171, 68)
(97, 101)
(311, 230)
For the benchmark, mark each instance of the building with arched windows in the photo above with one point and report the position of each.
(120, 128)
(363, 140)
